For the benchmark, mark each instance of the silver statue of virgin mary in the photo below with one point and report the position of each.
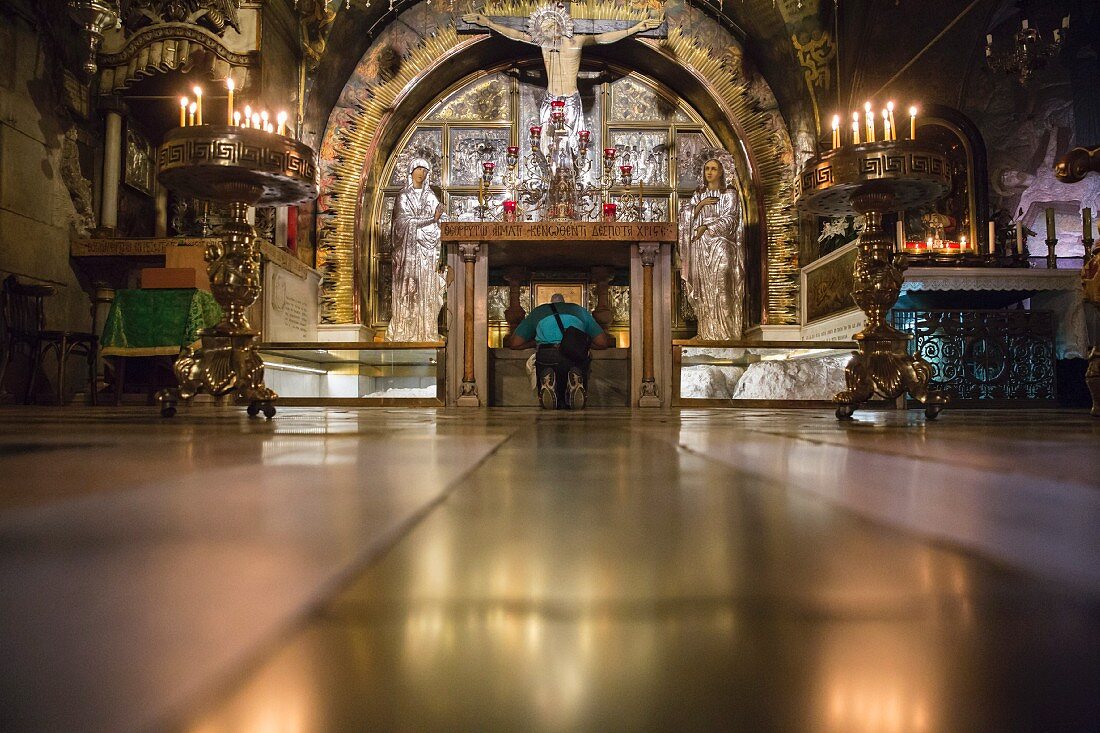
(418, 286)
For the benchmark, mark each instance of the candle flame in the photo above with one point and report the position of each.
(890, 106)
(192, 108)
(836, 122)
(912, 111)
(198, 91)
(183, 102)
(281, 118)
(229, 83)
(867, 107)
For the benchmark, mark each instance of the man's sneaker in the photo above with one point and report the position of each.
(548, 394)
(576, 395)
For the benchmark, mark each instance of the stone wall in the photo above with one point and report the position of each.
(46, 163)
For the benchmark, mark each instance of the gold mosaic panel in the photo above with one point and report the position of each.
(488, 100)
(632, 101)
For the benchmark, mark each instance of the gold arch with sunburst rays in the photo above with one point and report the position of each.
(351, 149)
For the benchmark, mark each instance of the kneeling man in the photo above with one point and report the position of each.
(561, 381)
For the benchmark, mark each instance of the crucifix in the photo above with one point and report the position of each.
(553, 29)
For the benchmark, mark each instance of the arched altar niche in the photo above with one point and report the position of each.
(664, 139)
(404, 71)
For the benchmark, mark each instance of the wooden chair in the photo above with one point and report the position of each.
(25, 318)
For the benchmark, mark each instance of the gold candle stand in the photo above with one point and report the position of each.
(240, 167)
(872, 179)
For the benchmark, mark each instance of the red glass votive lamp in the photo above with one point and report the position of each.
(509, 210)
(513, 156)
(609, 212)
(609, 153)
(487, 170)
(584, 136)
(536, 133)
(557, 105)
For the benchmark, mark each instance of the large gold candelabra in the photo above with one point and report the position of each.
(242, 167)
(872, 179)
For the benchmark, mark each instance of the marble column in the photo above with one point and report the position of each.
(649, 396)
(112, 167)
(468, 396)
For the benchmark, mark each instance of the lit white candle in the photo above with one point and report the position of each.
(886, 125)
(855, 128)
(893, 127)
(870, 118)
(191, 109)
(198, 102)
(248, 115)
(263, 120)
(183, 111)
(237, 119)
(256, 121)
(230, 86)
(912, 123)
(282, 123)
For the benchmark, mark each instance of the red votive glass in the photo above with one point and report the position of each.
(609, 153)
(509, 210)
(536, 131)
(584, 136)
(513, 150)
(626, 170)
(557, 104)
(609, 212)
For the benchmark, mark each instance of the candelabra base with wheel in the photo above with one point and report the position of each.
(873, 179)
(241, 167)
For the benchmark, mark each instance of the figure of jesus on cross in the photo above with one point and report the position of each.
(551, 28)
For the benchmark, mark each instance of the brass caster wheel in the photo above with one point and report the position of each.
(253, 409)
(931, 412)
(845, 412)
(168, 409)
(268, 410)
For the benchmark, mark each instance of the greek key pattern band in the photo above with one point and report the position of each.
(236, 152)
(875, 164)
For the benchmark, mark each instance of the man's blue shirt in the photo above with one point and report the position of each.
(541, 325)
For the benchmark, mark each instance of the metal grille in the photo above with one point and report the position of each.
(985, 354)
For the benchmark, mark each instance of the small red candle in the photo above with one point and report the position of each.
(609, 212)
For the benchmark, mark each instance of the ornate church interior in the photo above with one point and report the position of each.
(295, 437)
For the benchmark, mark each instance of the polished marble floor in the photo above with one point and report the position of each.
(421, 570)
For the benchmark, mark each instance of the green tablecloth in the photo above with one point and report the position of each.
(157, 322)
